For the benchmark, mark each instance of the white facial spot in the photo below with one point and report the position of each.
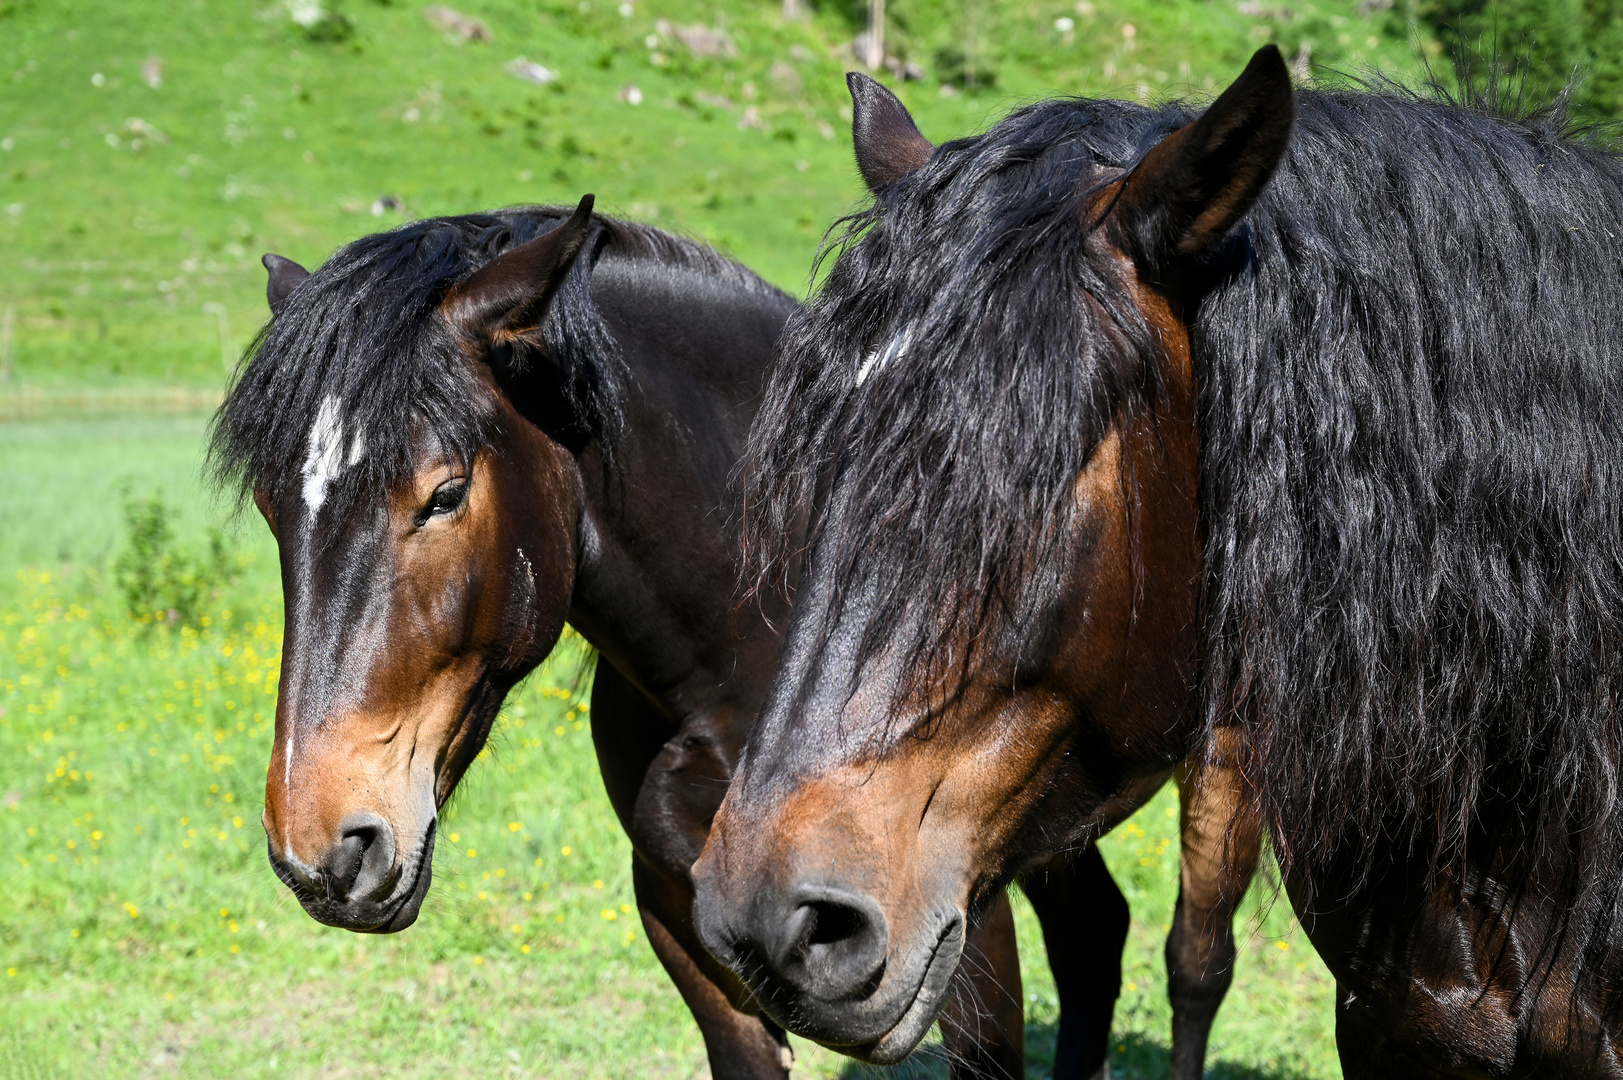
(325, 459)
(287, 785)
(892, 350)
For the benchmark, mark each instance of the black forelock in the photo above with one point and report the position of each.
(956, 458)
(363, 330)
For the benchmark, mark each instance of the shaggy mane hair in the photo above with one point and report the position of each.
(1412, 458)
(363, 332)
(956, 446)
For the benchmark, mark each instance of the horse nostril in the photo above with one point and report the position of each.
(834, 944)
(832, 923)
(363, 862)
(344, 866)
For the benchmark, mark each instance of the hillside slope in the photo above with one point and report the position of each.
(150, 151)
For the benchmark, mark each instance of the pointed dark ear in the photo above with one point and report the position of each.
(888, 143)
(284, 274)
(509, 295)
(1192, 188)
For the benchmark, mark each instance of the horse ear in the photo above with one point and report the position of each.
(1197, 183)
(888, 143)
(509, 295)
(284, 274)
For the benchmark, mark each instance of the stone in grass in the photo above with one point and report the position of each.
(700, 40)
(785, 79)
(454, 23)
(530, 71)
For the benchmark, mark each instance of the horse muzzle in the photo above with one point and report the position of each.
(361, 882)
(822, 960)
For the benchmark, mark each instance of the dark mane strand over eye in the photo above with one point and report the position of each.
(995, 354)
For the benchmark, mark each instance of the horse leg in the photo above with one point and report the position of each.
(1221, 840)
(983, 1023)
(665, 786)
(741, 1045)
(1361, 1045)
(1084, 919)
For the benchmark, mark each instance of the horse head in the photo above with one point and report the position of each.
(428, 539)
(989, 413)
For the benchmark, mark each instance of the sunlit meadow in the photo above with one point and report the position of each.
(144, 933)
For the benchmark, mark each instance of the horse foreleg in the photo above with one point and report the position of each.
(1084, 918)
(983, 1023)
(741, 1044)
(1220, 842)
(665, 787)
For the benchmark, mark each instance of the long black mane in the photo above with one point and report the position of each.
(921, 386)
(1413, 485)
(362, 332)
(1412, 456)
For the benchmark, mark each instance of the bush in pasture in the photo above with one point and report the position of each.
(965, 70)
(162, 581)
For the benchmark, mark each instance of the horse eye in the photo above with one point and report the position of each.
(445, 500)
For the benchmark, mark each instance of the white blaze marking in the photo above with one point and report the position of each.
(325, 459)
(287, 791)
(287, 758)
(893, 350)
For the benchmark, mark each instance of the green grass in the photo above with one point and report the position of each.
(144, 933)
(62, 477)
(131, 277)
(132, 259)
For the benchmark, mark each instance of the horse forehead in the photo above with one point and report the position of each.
(326, 457)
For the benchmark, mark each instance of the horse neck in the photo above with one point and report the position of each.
(656, 592)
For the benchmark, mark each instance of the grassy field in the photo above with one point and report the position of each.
(143, 933)
(149, 152)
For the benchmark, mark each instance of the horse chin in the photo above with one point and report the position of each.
(927, 1001)
(409, 906)
(406, 909)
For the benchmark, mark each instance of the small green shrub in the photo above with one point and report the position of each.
(163, 582)
(1529, 50)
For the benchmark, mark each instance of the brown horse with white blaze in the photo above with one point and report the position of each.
(903, 771)
(463, 433)
(448, 592)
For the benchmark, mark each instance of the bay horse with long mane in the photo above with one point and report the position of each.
(463, 432)
(1287, 431)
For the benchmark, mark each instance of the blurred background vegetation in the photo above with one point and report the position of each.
(149, 152)
(1542, 47)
